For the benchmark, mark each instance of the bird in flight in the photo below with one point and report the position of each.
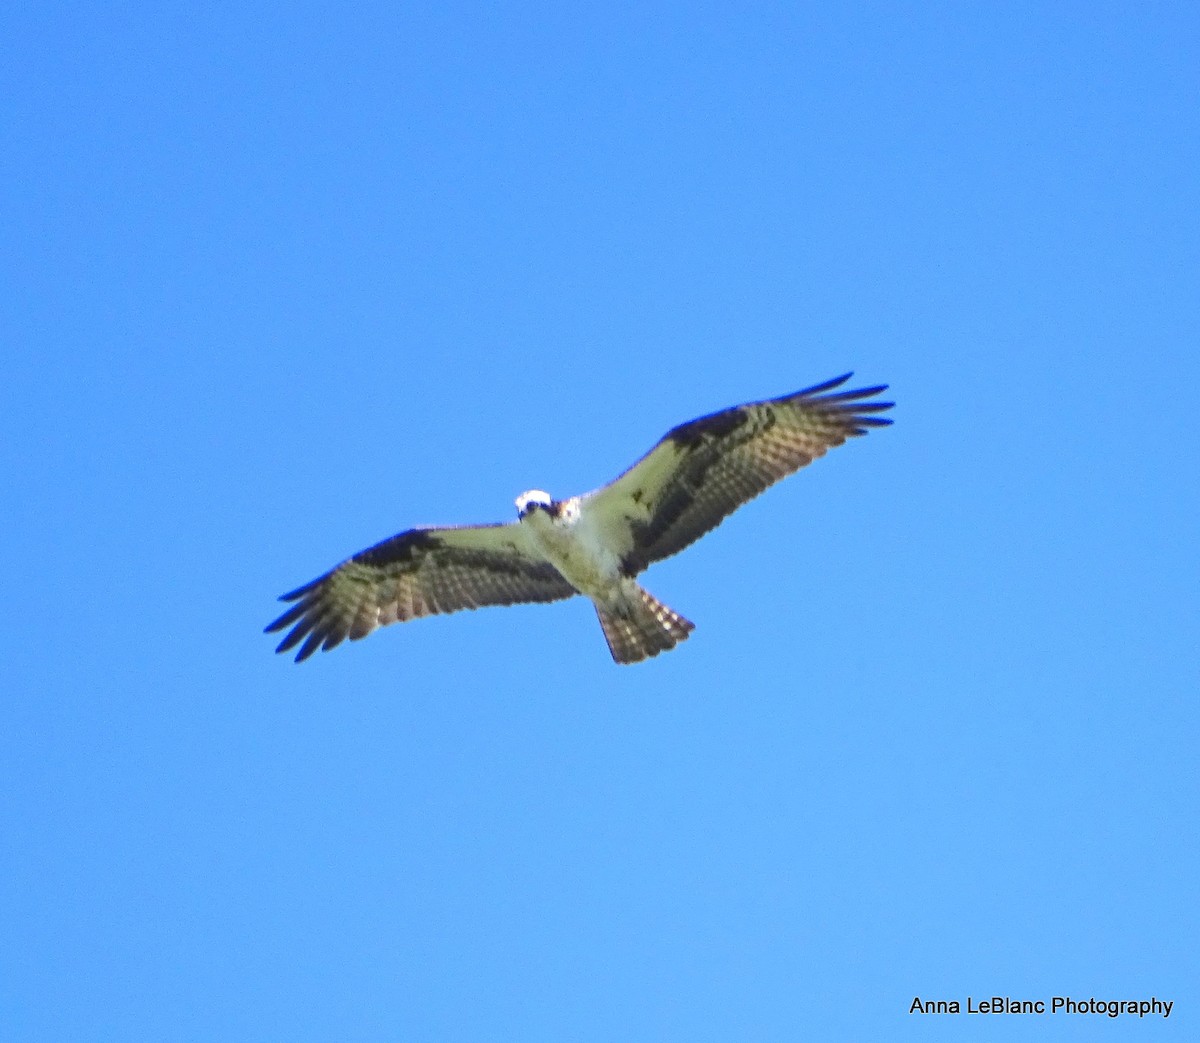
(595, 544)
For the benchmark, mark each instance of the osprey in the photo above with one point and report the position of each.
(594, 544)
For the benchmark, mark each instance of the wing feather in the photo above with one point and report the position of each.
(702, 471)
(416, 573)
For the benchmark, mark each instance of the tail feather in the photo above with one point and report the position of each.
(641, 628)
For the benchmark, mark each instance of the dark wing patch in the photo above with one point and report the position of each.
(705, 469)
(417, 573)
(715, 425)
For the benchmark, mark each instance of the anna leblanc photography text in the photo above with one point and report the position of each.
(1152, 1007)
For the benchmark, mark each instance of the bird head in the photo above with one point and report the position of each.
(533, 500)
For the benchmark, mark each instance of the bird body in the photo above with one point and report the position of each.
(594, 544)
(571, 540)
(575, 541)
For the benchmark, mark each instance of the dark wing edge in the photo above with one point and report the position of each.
(848, 407)
(701, 471)
(416, 573)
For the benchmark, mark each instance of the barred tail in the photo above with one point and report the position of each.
(641, 628)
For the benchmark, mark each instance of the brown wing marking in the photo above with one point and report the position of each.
(416, 573)
(705, 469)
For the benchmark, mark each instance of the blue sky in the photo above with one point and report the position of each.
(283, 280)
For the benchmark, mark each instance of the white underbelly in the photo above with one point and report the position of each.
(589, 568)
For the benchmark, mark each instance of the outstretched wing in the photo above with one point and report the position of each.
(417, 573)
(705, 469)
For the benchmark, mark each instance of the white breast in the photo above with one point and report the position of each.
(573, 545)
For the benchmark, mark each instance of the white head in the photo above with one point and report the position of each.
(533, 500)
